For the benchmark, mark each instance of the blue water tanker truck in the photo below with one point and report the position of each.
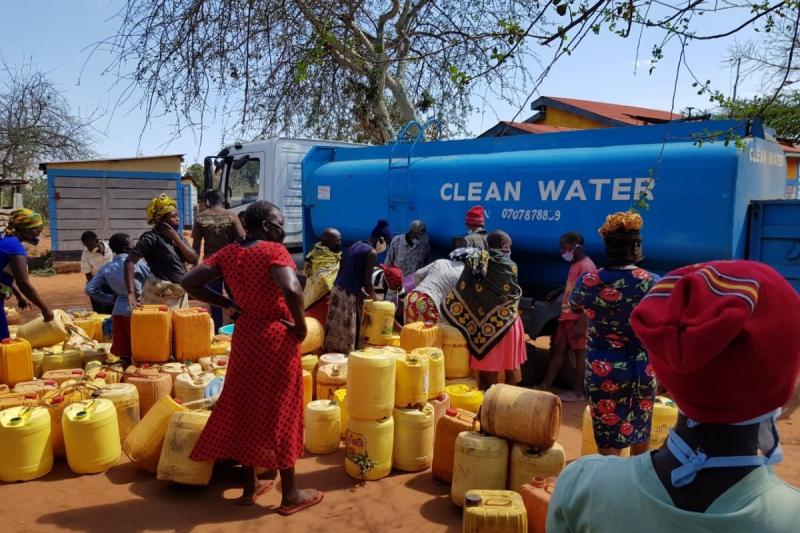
(712, 189)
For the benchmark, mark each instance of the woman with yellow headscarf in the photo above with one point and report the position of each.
(24, 226)
(166, 253)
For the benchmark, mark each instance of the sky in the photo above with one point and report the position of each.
(57, 37)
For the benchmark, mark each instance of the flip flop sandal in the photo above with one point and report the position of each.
(286, 511)
(262, 489)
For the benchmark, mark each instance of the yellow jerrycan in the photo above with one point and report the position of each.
(174, 465)
(494, 511)
(16, 362)
(527, 463)
(465, 397)
(456, 353)
(329, 379)
(143, 445)
(377, 322)
(370, 385)
(315, 337)
(192, 330)
(436, 381)
(25, 450)
(413, 439)
(323, 432)
(665, 416)
(412, 382)
(151, 334)
(340, 397)
(308, 387)
(126, 401)
(91, 436)
(420, 335)
(190, 388)
(41, 334)
(368, 454)
(480, 462)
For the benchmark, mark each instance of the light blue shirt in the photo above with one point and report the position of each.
(113, 275)
(607, 494)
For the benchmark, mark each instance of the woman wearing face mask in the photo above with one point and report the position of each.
(572, 326)
(619, 379)
(484, 308)
(258, 419)
(24, 226)
(352, 284)
(723, 338)
(166, 253)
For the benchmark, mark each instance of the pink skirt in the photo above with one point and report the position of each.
(508, 354)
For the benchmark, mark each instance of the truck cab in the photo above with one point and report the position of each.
(265, 170)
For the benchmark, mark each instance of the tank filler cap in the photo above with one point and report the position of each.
(451, 412)
(472, 500)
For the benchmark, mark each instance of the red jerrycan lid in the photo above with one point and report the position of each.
(201, 310)
(77, 372)
(31, 396)
(7, 340)
(57, 399)
(101, 375)
(451, 412)
(163, 308)
(50, 382)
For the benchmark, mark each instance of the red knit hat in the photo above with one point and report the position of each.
(476, 216)
(394, 276)
(723, 337)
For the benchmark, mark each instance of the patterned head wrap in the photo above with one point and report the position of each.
(158, 207)
(622, 226)
(23, 219)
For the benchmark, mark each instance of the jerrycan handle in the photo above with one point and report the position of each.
(497, 502)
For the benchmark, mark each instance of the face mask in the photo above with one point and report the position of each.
(570, 256)
(175, 225)
(692, 461)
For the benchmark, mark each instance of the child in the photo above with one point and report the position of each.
(112, 276)
(572, 326)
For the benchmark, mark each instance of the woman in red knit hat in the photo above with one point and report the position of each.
(619, 381)
(723, 338)
(475, 220)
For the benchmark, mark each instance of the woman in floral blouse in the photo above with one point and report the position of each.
(619, 379)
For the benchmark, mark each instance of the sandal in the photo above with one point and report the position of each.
(263, 487)
(286, 511)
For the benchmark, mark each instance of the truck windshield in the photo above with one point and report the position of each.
(243, 183)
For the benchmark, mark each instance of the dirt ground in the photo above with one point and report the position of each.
(128, 499)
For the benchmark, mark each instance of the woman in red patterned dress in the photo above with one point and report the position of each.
(258, 420)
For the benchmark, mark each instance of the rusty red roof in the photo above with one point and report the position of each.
(614, 113)
(790, 149)
(535, 128)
